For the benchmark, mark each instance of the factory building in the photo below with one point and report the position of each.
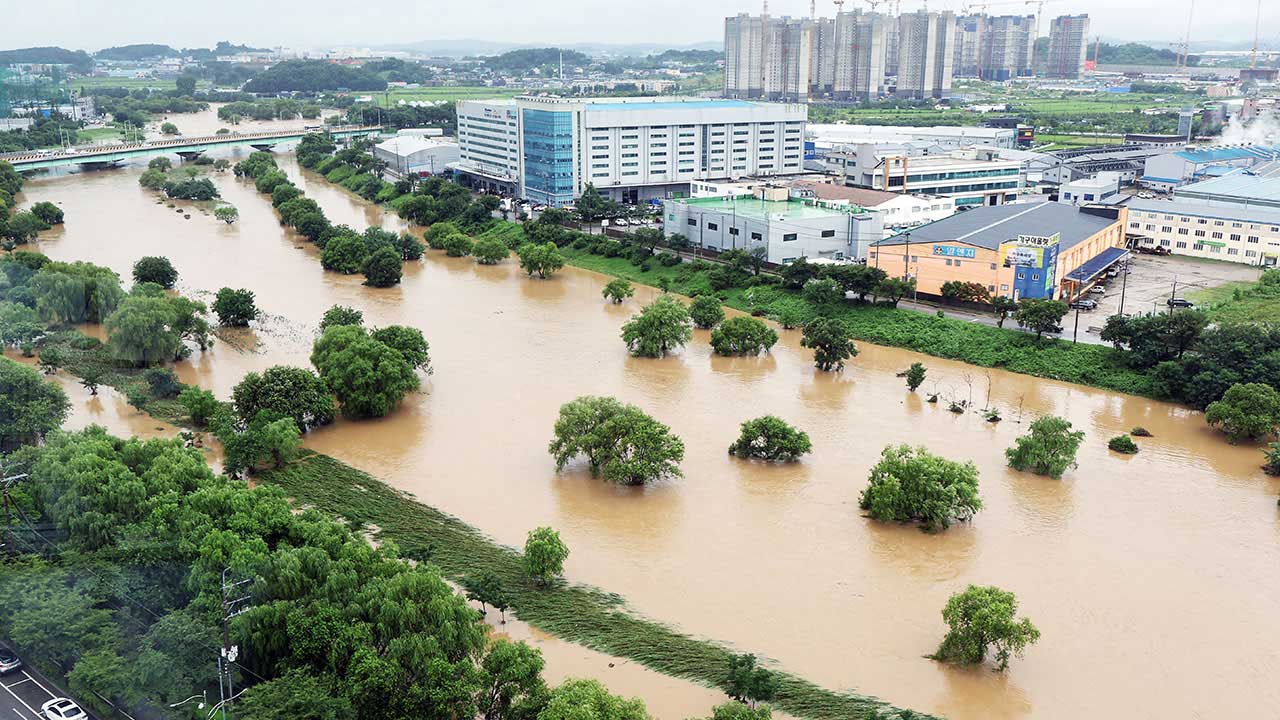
(545, 149)
(788, 228)
(1037, 250)
(1169, 170)
(972, 176)
(1234, 218)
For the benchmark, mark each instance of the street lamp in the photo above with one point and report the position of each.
(200, 705)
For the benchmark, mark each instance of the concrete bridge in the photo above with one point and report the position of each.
(187, 147)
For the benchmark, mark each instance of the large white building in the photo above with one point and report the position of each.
(546, 149)
(972, 176)
(832, 135)
(788, 228)
(1234, 218)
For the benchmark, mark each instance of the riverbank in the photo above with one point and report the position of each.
(582, 614)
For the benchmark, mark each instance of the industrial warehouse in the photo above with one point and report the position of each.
(1042, 250)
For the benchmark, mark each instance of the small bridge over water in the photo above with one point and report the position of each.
(187, 147)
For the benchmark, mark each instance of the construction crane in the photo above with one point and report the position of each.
(839, 5)
(1186, 40)
(875, 4)
(1257, 22)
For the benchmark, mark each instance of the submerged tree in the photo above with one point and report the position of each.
(1048, 449)
(1248, 411)
(617, 290)
(742, 336)
(915, 376)
(831, 342)
(770, 438)
(621, 443)
(914, 485)
(544, 555)
(706, 312)
(660, 327)
(983, 618)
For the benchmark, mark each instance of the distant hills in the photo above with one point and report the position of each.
(83, 62)
(77, 59)
(470, 47)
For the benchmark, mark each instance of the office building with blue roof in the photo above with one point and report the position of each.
(632, 149)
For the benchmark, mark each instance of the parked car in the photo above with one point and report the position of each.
(1085, 304)
(62, 709)
(1098, 289)
(9, 661)
(1179, 303)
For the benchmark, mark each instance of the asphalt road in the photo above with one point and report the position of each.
(23, 692)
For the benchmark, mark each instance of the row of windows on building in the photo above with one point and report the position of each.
(1200, 247)
(656, 169)
(1203, 221)
(1216, 235)
(786, 237)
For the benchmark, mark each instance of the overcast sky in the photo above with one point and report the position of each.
(94, 24)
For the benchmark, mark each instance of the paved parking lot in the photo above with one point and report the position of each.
(23, 692)
(1151, 281)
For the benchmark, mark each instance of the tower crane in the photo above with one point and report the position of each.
(1257, 21)
(1185, 51)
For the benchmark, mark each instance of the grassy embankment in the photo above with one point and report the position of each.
(973, 343)
(578, 613)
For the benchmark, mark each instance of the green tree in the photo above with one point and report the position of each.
(485, 587)
(296, 694)
(622, 444)
(1123, 444)
(823, 293)
(161, 163)
(706, 312)
(770, 438)
(830, 341)
(30, 407)
(383, 268)
(345, 254)
(153, 269)
(368, 377)
(748, 682)
(1048, 449)
(457, 245)
(22, 227)
(915, 376)
(965, 291)
(235, 308)
(1040, 315)
(341, 315)
(983, 618)
(51, 358)
(1272, 454)
(48, 213)
(591, 206)
(1003, 306)
(660, 327)
(512, 685)
(409, 342)
(199, 404)
(168, 128)
(582, 699)
(226, 213)
(742, 336)
(542, 259)
(893, 289)
(435, 235)
(490, 251)
(617, 290)
(1248, 411)
(141, 331)
(291, 392)
(914, 485)
(92, 376)
(544, 555)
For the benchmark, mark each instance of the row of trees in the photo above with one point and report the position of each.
(18, 227)
(338, 629)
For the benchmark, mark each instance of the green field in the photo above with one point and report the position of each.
(442, 94)
(1078, 140)
(1239, 302)
(131, 83)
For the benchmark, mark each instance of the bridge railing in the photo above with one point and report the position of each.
(176, 143)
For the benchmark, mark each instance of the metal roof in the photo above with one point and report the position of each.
(1233, 212)
(1220, 154)
(671, 105)
(988, 226)
(1239, 186)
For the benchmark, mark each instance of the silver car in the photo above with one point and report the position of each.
(62, 709)
(9, 662)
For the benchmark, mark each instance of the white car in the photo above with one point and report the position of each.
(62, 709)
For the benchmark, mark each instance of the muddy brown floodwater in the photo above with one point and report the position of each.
(1154, 579)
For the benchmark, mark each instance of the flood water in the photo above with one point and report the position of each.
(1154, 579)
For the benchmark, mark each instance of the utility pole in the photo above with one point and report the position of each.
(231, 607)
(1173, 294)
(1124, 283)
(1076, 332)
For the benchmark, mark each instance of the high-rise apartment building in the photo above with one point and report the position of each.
(859, 62)
(969, 31)
(1068, 44)
(822, 57)
(926, 53)
(767, 57)
(1006, 44)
